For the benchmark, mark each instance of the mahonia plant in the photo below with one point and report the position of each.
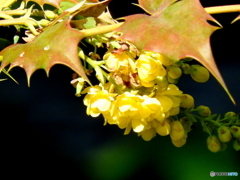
(138, 76)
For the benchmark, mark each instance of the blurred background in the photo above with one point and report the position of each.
(46, 132)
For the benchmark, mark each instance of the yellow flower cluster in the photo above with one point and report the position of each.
(138, 96)
(129, 110)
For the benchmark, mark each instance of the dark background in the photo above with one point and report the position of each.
(46, 132)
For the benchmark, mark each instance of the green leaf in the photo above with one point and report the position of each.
(177, 29)
(4, 43)
(54, 3)
(91, 23)
(56, 45)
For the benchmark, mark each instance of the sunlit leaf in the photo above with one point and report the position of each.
(56, 45)
(177, 29)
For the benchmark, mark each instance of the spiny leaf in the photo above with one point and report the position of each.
(56, 45)
(93, 9)
(236, 19)
(177, 29)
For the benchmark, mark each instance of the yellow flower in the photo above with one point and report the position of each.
(148, 134)
(187, 101)
(97, 101)
(148, 69)
(213, 143)
(132, 111)
(125, 110)
(169, 99)
(163, 59)
(120, 62)
(180, 142)
(163, 129)
(224, 134)
(177, 131)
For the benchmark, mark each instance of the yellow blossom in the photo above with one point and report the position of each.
(163, 129)
(177, 131)
(148, 69)
(97, 101)
(120, 62)
(163, 59)
(148, 134)
(169, 99)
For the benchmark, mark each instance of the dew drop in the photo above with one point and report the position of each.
(46, 48)
(21, 55)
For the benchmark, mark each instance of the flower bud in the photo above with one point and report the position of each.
(186, 124)
(99, 75)
(236, 144)
(49, 14)
(223, 146)
(163, 59)
(203, 111)
(224, 134)
(180, 142)
(162, 81)
(235, 130)
(230, 115)
(187, 101)
(186, 68)
(81, 54)
(177, 131)
(199, 73)
(148, 134)
(44, 22)
(163, 129)
(171, 80)
(79, 85)
(174, 72)
(213, 143)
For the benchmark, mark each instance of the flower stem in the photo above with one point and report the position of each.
(223, 9)
(100, 30)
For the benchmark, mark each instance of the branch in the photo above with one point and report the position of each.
(223, 9)
(100, 30)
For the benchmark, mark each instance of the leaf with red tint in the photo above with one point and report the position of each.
(177, 29)
(56, 45)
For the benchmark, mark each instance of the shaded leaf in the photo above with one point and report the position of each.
(176, 29)
(105, 19)
(56, 45)
(93, 9)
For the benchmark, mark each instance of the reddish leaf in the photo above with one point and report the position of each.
(56, 45)
(176, 29)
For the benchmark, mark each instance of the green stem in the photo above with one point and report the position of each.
(15, 12)
(9, 22)
(6, 3)
(100, 30)
(223, 9)
(204, 126)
